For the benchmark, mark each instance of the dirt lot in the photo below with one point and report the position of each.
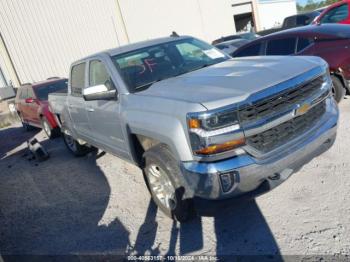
(99, 204)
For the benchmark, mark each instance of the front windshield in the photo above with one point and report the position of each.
(143, 67)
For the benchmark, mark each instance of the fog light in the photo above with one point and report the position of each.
(227, 181)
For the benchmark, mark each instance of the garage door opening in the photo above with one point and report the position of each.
(244, 22)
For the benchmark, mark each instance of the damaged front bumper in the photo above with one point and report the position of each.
(244, 173)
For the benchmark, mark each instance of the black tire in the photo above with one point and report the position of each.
(74, 147)
(338, 89)
(160, 156)
(25, 125)
(49, 131)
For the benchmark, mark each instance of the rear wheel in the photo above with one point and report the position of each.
(161, 171)
(25, 125)
(50, 132)
(338, 90)
(75, 147)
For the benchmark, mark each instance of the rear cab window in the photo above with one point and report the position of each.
(78, 79)
(290, 22)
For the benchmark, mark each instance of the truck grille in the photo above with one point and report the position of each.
(280, 102)
(285, 132)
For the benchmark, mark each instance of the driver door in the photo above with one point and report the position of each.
(104, 115)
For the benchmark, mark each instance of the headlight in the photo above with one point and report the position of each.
(214, 121)
(220, 120)
(215, 132)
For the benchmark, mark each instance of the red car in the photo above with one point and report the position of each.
(338, 13)
(328, 41)
(33, 108)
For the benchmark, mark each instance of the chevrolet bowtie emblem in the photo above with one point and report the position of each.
(303, 109)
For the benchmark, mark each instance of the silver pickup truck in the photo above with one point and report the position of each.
(200, 124)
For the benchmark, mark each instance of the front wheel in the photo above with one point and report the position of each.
(74, 146)
(338, 89)
(161, 170)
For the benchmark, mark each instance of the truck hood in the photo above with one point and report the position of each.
(231, 81)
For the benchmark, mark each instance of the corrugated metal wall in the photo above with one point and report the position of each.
(44, 36)
(205, 19)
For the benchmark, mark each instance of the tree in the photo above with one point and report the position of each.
(311, 5)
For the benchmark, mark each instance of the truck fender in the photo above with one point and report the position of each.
(162, 129)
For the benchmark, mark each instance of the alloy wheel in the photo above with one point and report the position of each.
(47, 129)
(161, 187)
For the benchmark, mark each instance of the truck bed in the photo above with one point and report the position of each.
(57, 102)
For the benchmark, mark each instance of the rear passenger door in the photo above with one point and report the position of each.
(104, 115)
(76, 103)
(32, 108)
(21, 104)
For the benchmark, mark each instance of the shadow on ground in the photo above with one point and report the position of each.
(239, 230)
(14, 136)
(43, 212)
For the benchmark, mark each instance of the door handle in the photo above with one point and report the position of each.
(90, 109)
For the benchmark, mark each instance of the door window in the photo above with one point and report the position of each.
(78, 79)
(30, 93)
(303, 43)
(24, 93)
(98, 75)
(252, 50)
(284, 46)
(336, 14)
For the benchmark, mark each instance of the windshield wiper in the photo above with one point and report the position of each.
(197, 68)
(150, 83)
(160, 79)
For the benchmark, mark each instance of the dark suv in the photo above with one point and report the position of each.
(329, 41)
(33, 108)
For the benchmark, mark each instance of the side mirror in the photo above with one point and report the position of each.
(99, 92)
(29, 100)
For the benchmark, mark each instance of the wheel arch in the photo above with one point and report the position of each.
(139, 144)
(338, 73)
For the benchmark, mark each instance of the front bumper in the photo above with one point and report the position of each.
(202, 179)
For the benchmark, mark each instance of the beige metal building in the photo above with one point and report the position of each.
(40, 38)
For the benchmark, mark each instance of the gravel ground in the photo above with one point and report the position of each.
(98, 204)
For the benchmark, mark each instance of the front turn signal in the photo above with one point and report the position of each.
(194, 123)
(215, 149)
